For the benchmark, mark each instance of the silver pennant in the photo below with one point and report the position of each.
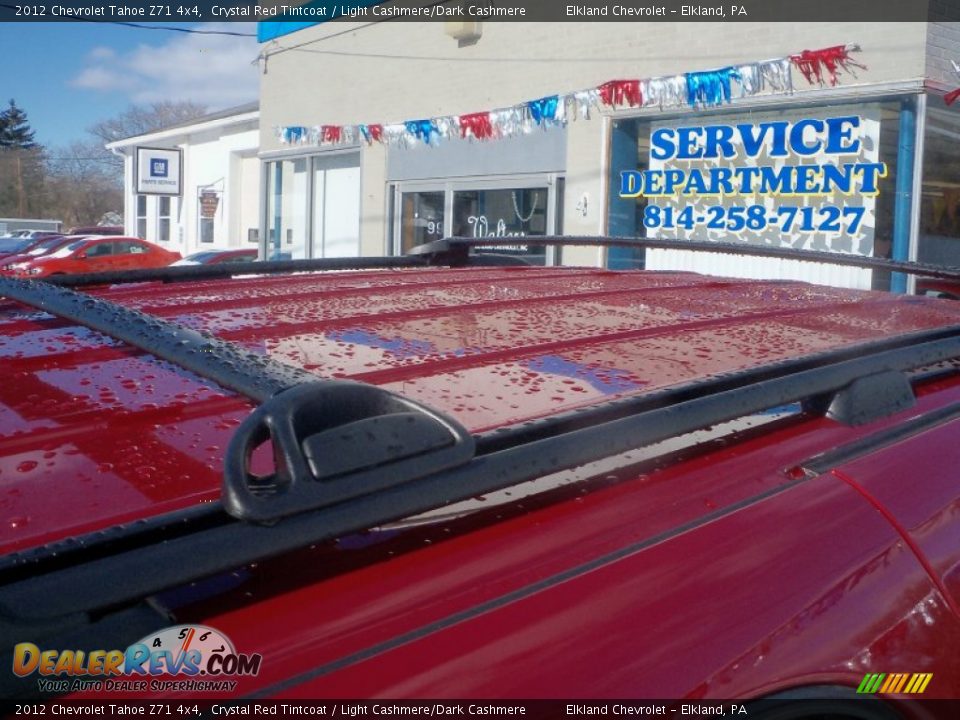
(664, 91)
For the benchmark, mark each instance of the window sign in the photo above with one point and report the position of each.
(499, 213)
(158, 171)
(807, 182)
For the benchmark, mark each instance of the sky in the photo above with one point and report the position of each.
(68, 76)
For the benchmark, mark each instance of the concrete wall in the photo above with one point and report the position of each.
(943, 45)
(211, 161)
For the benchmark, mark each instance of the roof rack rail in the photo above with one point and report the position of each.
(455, 251)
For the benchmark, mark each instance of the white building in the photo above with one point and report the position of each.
(218, 202)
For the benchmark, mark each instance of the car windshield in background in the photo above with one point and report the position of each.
(200, 257)
(45, 246)
(67, 250)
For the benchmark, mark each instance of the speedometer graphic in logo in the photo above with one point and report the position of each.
(184, 650)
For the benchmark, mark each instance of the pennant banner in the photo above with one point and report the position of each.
(814, 64)
(710, 88)
(694, 89)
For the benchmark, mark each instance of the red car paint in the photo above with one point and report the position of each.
(718, 570)
(95, 254)
(938, 287)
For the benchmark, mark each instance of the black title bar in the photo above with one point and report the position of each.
(639, 11)
(737, 709)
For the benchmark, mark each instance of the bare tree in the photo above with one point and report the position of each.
(83, 183)
(22, 175)
(141, 119)
(85, 180)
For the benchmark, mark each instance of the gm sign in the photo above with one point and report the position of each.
(158, 171)
(159, 168)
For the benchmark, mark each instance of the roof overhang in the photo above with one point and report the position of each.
(183, 131)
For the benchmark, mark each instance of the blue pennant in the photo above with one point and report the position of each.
(294, 134)
(423, 129)
(711, 87)
(544, 110)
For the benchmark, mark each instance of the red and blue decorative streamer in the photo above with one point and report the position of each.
(621, 92)
(544, 110)
(696, 89)
(477, 125)
(815, 65)
(425, 130)
(713, 87)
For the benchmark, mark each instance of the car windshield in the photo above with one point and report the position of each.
(68, 250)
(201, 257)
(45, 246)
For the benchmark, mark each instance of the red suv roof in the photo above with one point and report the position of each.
(515, 481)
(490, 347)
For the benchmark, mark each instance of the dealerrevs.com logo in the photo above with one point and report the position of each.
(191, 658)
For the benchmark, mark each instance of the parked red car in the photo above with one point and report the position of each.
(435, 480)
(95, 254)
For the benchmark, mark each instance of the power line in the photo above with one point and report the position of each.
(191, 31)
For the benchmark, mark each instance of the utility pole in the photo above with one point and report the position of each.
(20, 195)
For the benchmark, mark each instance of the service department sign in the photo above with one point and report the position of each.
(158, 171)
(779, 179)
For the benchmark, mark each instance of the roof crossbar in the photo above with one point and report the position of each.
(227, 270)
(455, 251)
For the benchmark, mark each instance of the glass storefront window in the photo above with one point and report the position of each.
(142, 216)
(502, 210)
(500, 213)
(287, 209)
(421, 218)
(313, 207)
(503, 214)
(163, 219)
(939, 240)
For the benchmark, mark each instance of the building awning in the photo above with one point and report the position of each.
(282, 25)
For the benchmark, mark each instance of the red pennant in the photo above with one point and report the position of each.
(621, 92)
(951, 97)
(376, 132)
(331, 133)
(813, 63)
(477, 124)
